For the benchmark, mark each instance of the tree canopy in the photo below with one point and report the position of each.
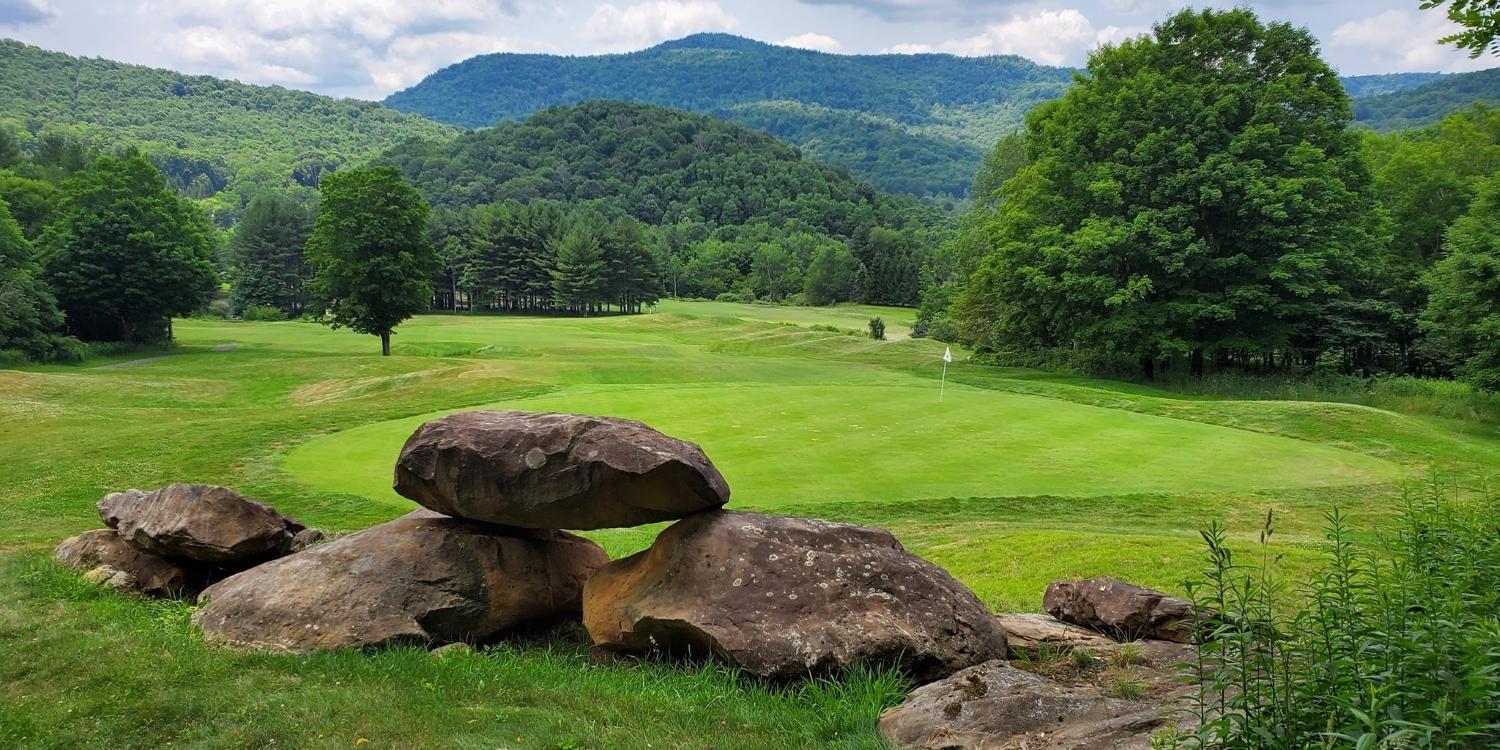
(125, 254)
(371, 256)
(1463, 314)
(1197, 192)
(265, 254)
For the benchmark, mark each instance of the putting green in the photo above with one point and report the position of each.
(784, 445)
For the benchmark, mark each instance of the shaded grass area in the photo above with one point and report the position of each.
(151, 682)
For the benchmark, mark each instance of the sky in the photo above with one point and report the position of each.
(370, 48)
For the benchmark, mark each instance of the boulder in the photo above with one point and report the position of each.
(555, 471)
(1119, 609)
(994, 706)
(200, 522)
(786, 597)
(138, 570)
(422, 578)
(1034, 635)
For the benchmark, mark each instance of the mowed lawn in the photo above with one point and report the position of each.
(1012, 479)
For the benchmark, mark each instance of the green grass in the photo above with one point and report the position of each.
(1015, 478)
(898, 320)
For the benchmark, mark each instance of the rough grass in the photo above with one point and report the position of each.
(1016, 478)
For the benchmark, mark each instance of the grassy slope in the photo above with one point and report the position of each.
(87, 669)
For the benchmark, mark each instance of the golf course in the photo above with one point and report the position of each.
(1008, 478)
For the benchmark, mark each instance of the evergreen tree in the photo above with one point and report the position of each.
(372, 261)
(126, 253)
(266, 262)
(579, 280)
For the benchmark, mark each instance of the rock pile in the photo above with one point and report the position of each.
(1064, 691)
(173, 541)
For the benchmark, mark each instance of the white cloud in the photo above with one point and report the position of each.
(1398, 40)
(353, 47)
(23, 12)
(654, 21)
(814, 41)
(1051, 37)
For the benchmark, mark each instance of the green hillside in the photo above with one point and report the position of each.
(210, 136)
(911, 123)
(659, 165)
(1429, 103)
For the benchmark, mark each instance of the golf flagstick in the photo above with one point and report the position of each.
(943, 384)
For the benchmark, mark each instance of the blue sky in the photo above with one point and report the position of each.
(369, 48)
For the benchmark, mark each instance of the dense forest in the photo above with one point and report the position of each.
(908, 123)
(731, 211)
(1428, 103)
(1121, 231)
(214, 139)
(915, 124)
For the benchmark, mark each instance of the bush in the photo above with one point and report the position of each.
(877, 328)
(262, 313)
(835, 329)
(13, 358)
(1393, 644)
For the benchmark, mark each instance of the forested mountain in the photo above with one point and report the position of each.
(729, 210)
(211, 137)
(916, 124)
(1428, 103)
(912, 123)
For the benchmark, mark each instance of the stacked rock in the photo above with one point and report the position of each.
(778, 597)
(173, 541)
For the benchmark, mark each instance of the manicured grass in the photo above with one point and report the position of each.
(898, 320)
(1015, 478)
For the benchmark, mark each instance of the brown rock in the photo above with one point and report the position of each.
(785, 597)
(994, 706)
(200, 522)
(555, 471)
(1033, 635)
(143, 571)
(1122, 610)
(422, 578)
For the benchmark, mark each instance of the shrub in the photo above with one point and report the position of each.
(877, 328)
(262, 313)
(13, 358)
(1393, 644)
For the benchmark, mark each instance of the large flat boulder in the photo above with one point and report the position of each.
(995, 706)
(422, 578)
(1122, 610)
(106, 558)
(1040, 636)
(787, 597)
(200, 522)
(555, 471)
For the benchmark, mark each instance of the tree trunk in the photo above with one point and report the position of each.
(1148, 368)
(1196, 368)
(385, 343)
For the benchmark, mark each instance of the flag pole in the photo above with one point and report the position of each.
(943, 384)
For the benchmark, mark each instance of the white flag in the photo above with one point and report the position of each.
(947, 354)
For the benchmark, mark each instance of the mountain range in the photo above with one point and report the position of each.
(915, 124)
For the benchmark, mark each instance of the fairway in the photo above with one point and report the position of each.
(800, 445)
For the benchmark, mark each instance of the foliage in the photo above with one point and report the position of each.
(907, 123)
(877, 328)
(830, 276)
(126, 254)
(262, 313)
(212, 138)
(1394, 645)
(1197, 194)
(1463, 312)
(29, 318)
(1480, 20)
(1428, 103)
(266, 263)
(371, 257)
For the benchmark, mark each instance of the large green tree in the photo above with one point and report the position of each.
(371, 257)
(1463, 310)
(266, 255)
(29, 318)
(831, 275)
(580, 279)
(1196, 192)
(126, 254)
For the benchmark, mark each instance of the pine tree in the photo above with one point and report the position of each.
(266, 263)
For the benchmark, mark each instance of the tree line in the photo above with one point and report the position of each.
(1199, 200)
